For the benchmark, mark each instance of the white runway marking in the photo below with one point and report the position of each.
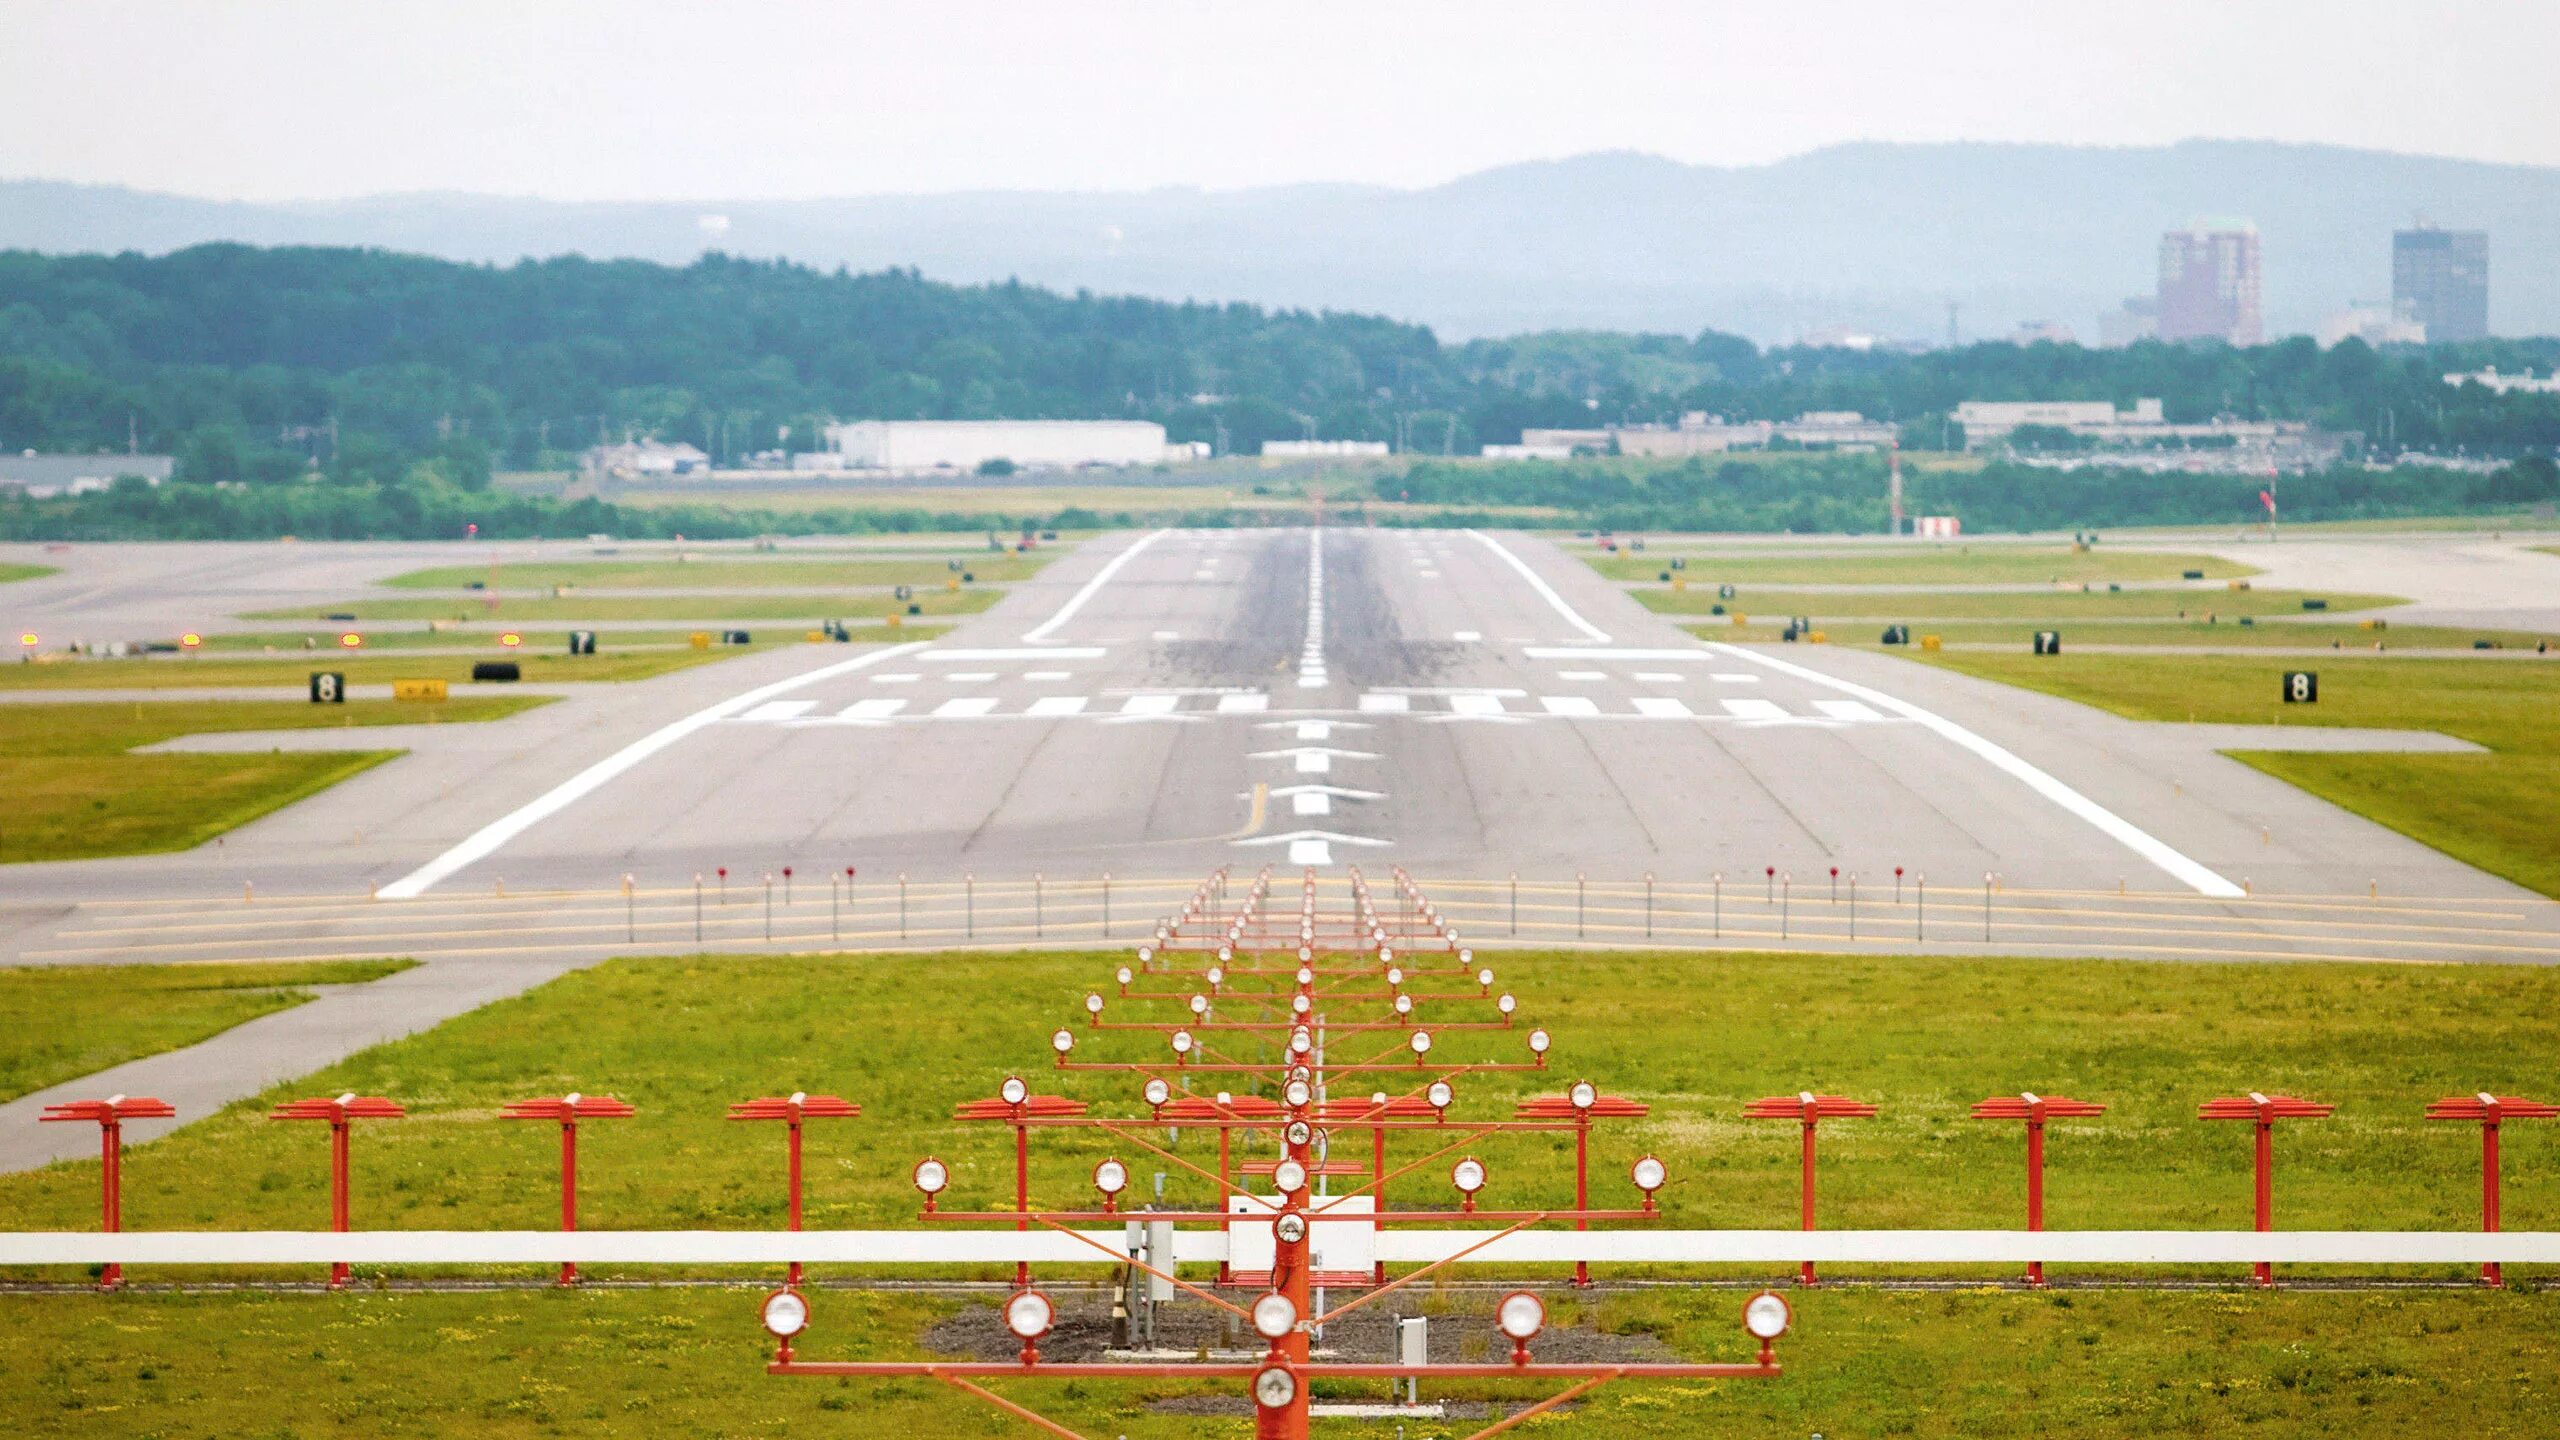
(1545, 591)
(1311, 672)
(1310, 852)
(779, 710)
(1475, 704)
(1150, 704)
(1242, 704)
(2125, 832)
(965, 707)
(1053, 652)
(1468, 636)
(1312, 802)
(1732, 679)
(1044, 677)
(971, 677)
(486, 841)
(1660, 677)
(1168, 635)
(1100, 578)
(1569, 705)
(871, 709)
(1582, 675)
(903, 677)
(1049, 705)
(1660, 707)
(1378, 703)
(1754, 709)
(1847, 709)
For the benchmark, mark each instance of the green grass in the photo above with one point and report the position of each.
(680, 1037)
(1934, 565)
(2498, 811)
(728, 573)
(96, 1016)
(362, 667)
(1918, 606)
(518, 1365)
(2342, 635)
(74, 793)
(11, 573)
(324, 640)
(803, 609)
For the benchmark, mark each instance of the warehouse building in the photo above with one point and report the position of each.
(968, 444)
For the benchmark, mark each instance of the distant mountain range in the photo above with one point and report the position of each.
(1880, 237)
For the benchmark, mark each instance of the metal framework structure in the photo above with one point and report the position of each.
(1299, 999)
(2263, 1111)
(2489, 1112)
(566, 1111)
(341, 1112)
(109, 1115)
(2035, 1110)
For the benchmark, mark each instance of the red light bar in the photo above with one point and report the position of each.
(566, 1107)
(1561, 1107)
(351, 1107)
(1807, 1107)
(114, 1107)
(780, 1107)
(1036, 1105)
(2262, 1107)
(2024, 1107)
(2479, 1107)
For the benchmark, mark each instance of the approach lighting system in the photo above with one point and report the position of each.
(1093, 1004)
(1440, 1094)
(1484, 979)
(1290, 1176)
(1157, 1092)
(1506, 1004)
(1421, 1043)
(1300, 1133)
(1291, 1228)
(1520, 1316)
(1583, 1094)
(1063, 1041)
(785, 1314)
(1181, 1042)
(1274, 1315)
(1111, 1177)
(1467, 1175)
(1766, 1316)
(932, 1176)
(1029, 1315)
(1014, 1091)
(1274, 1388)
(1648, 1175)
(1298, 1094)
(350, 641)
(1538, 1042)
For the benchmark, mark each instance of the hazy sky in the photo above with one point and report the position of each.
(689, 98)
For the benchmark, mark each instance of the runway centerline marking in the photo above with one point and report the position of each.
(2185, 869)
(485, 841)
(1101, 577)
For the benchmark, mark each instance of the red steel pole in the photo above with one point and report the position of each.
(568, 1191)
(795, 1187)
(2266, 1164)
(1805, 1274)
(338, 1270)
(1289, 1276)
(2035, 1183)
(1022, 1196)
(111, 1192)
(2490, 1274)
(1378, 1173)
(1582, 1187)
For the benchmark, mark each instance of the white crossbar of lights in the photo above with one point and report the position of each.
(1392, 1246)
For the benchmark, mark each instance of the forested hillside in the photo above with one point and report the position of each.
(379, 387)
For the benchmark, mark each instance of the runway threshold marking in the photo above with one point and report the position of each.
(2183, 868)
(485, 841)
(1545, 591)
(1040, 632)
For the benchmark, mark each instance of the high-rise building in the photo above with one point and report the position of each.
(2443, 277)
(2209, 283)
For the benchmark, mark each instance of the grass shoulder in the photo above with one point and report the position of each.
(91, 1017)
(2056, 604)
(721, 572)
(10, 574)
(1933, 565)
(78, 791)
(802, 609)
(2497, 811)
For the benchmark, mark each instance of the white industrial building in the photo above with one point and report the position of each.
(968, 444)
(1324, 449)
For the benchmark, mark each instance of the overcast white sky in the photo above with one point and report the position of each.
(689, 99)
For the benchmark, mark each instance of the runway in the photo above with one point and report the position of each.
(1468, 705)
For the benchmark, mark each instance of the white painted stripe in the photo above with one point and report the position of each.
(1043, 677)
(970, 677)
(871, 709)
(1616, 652)
(1730, 678)
(1847, 709)
(1476, 704)
(2141, 842)
(903, 677)
(1100, 578)
(1545, 591)
(965, 707)
(1150, 704)
(1569, 705)
(1310, 852)
(1053, 652)
(1468, 636)
(1314, 762)
(1582, 675)
(1313, 802)
(779, 710)
(1662, 707)
(1988, 1247)
(485, 841)
(1660, 677)
(1754, 709)
(1377, 703)
(1242, 704)
(1050, 705)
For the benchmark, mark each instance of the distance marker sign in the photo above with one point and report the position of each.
(2301, 687)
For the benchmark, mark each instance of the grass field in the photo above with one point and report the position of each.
(12, 573)
(804, 608)
(1918, 606)
(96, 1016)
(2498, 811)
(74, 793)
(361, 667)
(324, 639)
(1936, 565)
(680, 1037)
(723, 572)
(2341, 635)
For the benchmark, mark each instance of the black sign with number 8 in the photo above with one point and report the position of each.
(2301, 687)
